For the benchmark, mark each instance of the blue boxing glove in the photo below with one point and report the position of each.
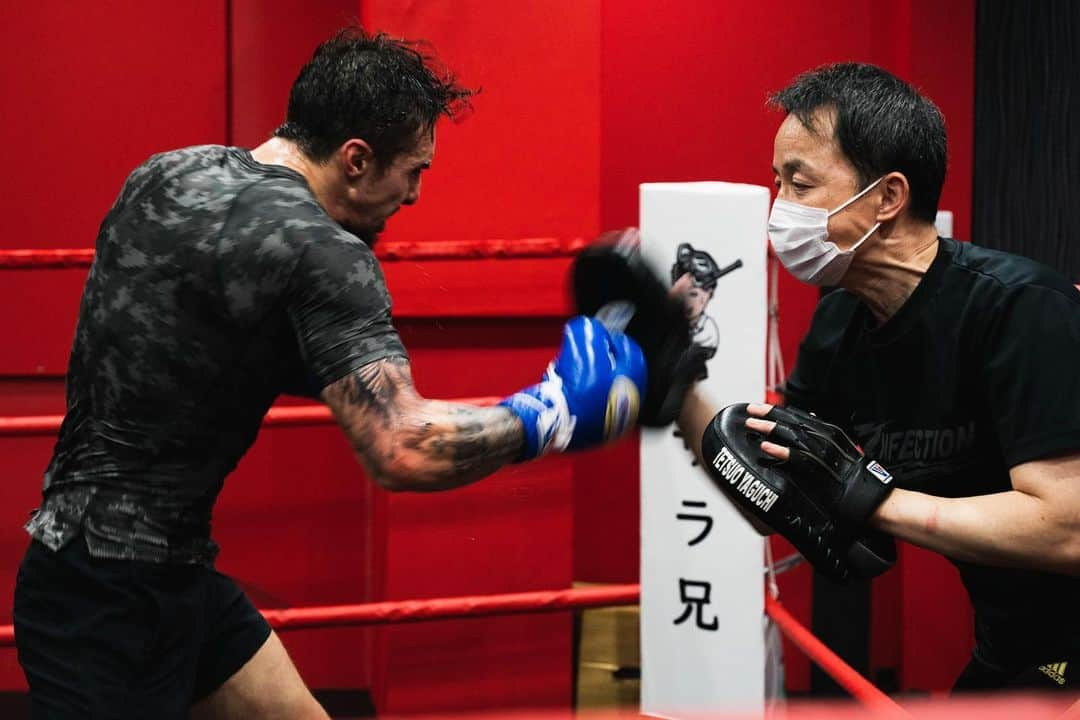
(590, 393)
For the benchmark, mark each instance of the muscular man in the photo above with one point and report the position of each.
(222, 278)
(952, 365)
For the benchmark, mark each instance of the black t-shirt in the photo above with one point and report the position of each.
(976, 373)
(218, 283)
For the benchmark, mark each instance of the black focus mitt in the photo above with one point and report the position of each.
(612, 281)
(792, 500)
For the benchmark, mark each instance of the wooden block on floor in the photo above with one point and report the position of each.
(609, 658)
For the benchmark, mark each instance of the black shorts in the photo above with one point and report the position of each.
(124, 638)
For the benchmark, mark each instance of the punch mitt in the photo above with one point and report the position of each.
(611, 281)
(789, 502)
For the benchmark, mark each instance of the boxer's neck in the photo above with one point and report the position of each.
(279, 151)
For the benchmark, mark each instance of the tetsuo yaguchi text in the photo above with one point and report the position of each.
(744, 481)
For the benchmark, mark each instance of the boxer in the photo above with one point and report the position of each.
(222, 278)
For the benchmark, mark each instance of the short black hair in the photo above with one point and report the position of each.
(383, 90)
(882, 125)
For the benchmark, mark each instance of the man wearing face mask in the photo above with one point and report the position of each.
(952, 365)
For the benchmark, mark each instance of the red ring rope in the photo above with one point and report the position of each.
(844, 675)
(45, 259)
(516, 248)
(30, 425)
(407, 611)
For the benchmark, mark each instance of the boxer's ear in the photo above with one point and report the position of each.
(357, 158)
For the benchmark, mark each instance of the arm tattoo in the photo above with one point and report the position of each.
(424, 444)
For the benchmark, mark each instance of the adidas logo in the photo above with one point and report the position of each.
(1055, 671)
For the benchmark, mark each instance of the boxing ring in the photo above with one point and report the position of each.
(872, 702)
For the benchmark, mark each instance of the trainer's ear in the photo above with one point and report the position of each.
(895, 196)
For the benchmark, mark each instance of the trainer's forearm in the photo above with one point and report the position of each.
(696, 414)
(1012, 529)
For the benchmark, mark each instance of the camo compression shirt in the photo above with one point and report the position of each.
(217, 284)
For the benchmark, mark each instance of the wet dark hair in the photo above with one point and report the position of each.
(882, 125)
(383, 90)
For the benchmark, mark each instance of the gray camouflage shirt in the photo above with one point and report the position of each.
(217, 284)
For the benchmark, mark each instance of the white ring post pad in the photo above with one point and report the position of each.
(702, 595)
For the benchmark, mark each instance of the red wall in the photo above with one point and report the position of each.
(580, 103)
(526, 163)
(89, 94)
(269, 41)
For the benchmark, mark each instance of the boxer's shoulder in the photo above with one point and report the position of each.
(210, 178)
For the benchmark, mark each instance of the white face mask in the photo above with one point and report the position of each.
(800, 238)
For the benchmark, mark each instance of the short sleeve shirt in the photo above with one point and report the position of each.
(217, 284)
(975, 374)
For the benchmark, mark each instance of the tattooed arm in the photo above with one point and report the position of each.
(406, 442)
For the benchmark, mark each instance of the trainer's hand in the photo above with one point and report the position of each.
(791, 501)
(765, 427)
(590, 393)
(821, 453)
